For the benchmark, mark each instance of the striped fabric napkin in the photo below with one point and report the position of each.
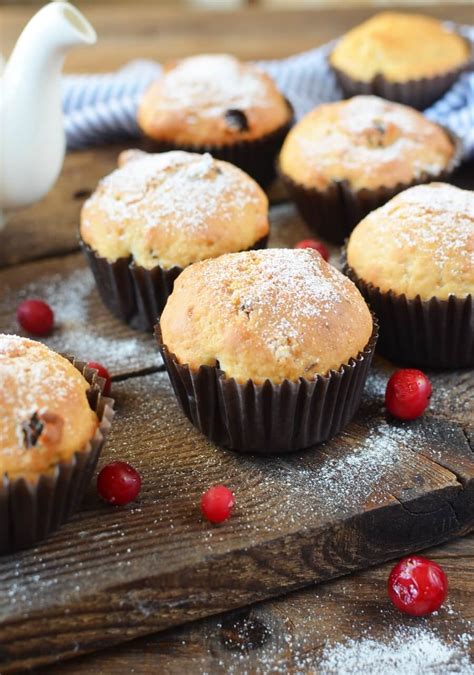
(101, 108)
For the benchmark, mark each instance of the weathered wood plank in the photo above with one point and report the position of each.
(289, 634)
(83, 327)
(295, 627)
(51, 226)
(151, 31)
(112, 574)
(299, 519)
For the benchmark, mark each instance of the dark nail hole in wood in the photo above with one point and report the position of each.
(243, 632)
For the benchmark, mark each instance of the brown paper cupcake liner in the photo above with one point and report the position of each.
(29, 512)
(269, 418)
(132, 293)
(256, 157)
(334, 212)
(419, 93)
(426, 333)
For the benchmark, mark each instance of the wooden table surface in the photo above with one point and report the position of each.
(287, 634)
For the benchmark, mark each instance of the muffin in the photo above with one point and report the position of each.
(413, 260)
(53, 422)
(409, 58)
(158, 213)
(267, 351)
(344, 159)
(214, 103)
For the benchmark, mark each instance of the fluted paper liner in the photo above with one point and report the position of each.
(269, 418)
(419, 93)
(256, 157)
(29, 511)
(334, 212)
(430, 333)
(132, 293)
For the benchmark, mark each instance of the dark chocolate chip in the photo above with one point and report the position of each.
(237, 119)
(32, 431)
(246, 307)
(380, 126)
(82, 194)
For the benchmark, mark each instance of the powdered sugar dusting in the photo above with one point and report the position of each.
(443, 198)
(183, 187)
(437, 219)
(213, 83)
(341, 479)
(153, 197)
(410, 650)
(388, 141)
(288, 286)
(297, 636)
(75, 331)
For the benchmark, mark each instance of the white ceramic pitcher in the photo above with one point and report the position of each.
(32, 139)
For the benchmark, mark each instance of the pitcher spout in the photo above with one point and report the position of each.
(32, 139)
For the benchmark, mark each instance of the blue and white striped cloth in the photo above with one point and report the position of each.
(101, 108)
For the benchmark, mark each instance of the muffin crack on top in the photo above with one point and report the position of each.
(276, 314)
(366, 141)
(172, 209)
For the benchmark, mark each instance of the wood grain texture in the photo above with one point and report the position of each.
(113, 574)
(289, 634)
(50, 227)
(162, 33)
(83, 588)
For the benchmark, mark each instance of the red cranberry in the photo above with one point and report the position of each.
(118, 483)
(217, 503)
(35, 316)
(102, 372)
(317, 245)
(408, 393)
(417, 586)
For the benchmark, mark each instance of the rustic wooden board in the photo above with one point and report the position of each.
(150, 31)
(290, 634)
(82, 589)
(112, 574)
(376, 491)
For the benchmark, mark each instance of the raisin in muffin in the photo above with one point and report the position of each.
(50, 438)
(413, 260)
(157, 214)
(343, 159)
(278, 328)
(408, 58)
(215, 103)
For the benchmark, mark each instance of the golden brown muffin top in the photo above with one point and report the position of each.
(45, 416)
(400, 47)
(173, 208)
(419, 243)
(366, 141)
(275, 313)
(211, 99)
